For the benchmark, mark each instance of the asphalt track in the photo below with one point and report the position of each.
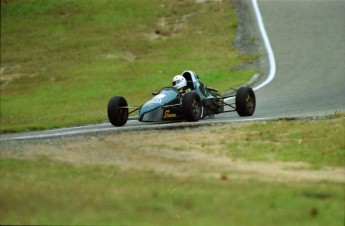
(308, 41)
(303, 67)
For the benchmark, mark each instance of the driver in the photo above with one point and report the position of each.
(180, 83)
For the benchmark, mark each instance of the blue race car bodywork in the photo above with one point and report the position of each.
(170, 105)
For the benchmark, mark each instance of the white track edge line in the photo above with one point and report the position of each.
(271, 59)
(269, 50)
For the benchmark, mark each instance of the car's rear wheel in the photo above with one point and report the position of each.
(117, 111)
(191, 106)
(245, 101)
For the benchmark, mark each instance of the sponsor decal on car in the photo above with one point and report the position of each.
(168, 114)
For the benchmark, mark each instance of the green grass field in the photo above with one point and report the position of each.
(53, 193)
(62, 60)
(45, 182)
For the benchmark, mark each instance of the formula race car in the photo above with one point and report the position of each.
(170, 104)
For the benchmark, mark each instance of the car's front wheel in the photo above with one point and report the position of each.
(191, 106)
(245, 101)
(117, 111)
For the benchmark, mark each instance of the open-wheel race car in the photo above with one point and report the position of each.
(192, 102)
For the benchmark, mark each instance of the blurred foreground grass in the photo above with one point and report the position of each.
(76, 181)
(46, 192)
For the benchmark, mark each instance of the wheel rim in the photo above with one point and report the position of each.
(250, 102)
(195, 108)
(122, 113)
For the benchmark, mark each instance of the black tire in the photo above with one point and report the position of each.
(117, 115)
(245, 101)
(191, 106)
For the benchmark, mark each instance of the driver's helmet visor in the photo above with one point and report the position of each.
(176, 82)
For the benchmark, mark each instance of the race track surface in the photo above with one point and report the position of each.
(307, 38)
(308, 51)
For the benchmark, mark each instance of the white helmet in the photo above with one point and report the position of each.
(179, 82)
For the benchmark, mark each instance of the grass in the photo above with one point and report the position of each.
(319, 142)
(62, 60)
(41, 190)
(46, 192)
